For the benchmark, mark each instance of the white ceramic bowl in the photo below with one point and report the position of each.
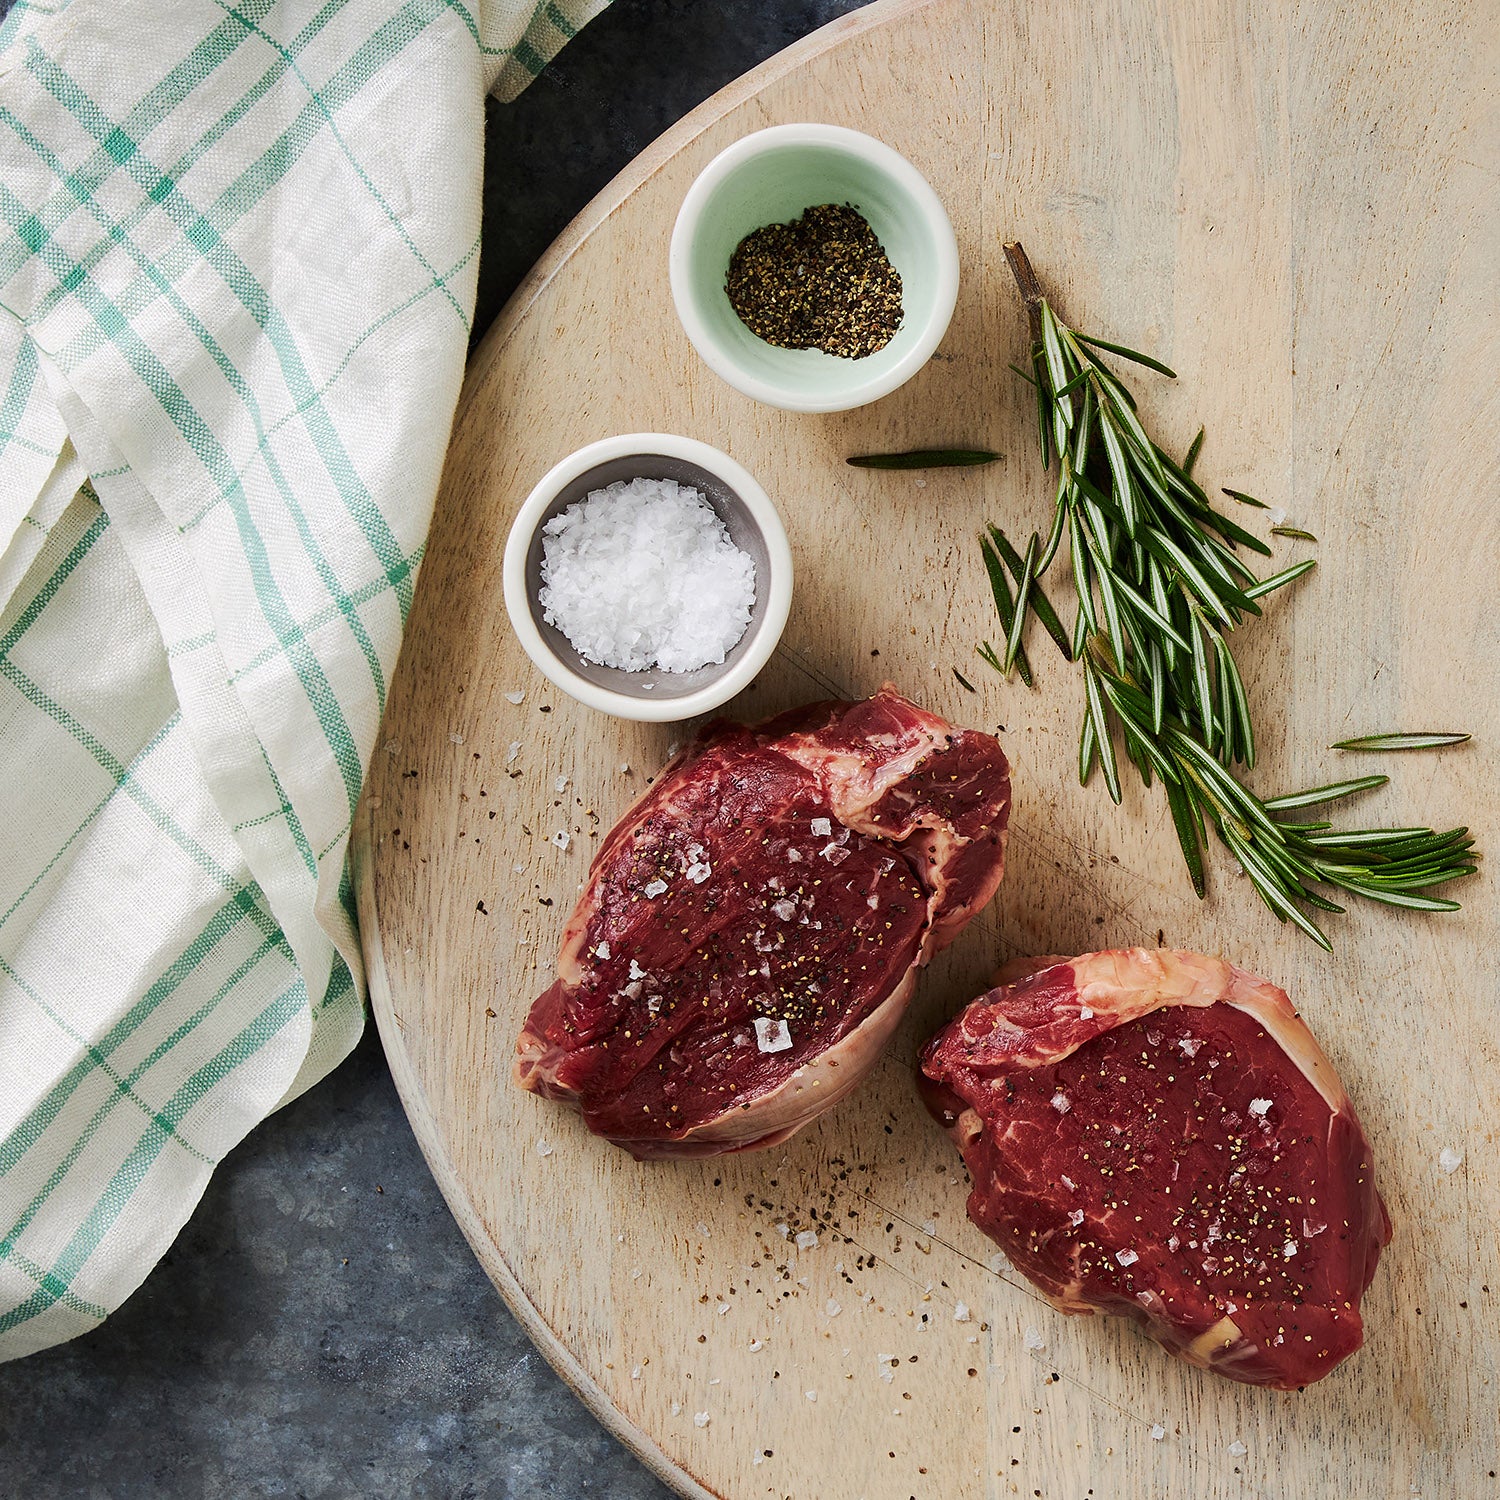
(771, 177)
(753, 525)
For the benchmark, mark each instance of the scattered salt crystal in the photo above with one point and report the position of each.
(1259, 1106)
(757, 1458)
(756, 1345)
(794, 856)
(1068, 1183)
(455, 739)
(636, 971)
(723, 1309)
(700, 1419)
(807, 1239)
(1061, 1103)
(1126, 1257)
(961, 1312)
(635, 1374)
(543, 1148)
(1173, 1242)
(1289, 1249)
(512, 751)
(834, 854)
(1275, 515)
(643, 573)
(601, 950)
(624, 768)
(783, 1230)
(872, 902)
(785, 909)
(561, 838)
(1449, 1159)
(1033, 1338)
(515, 695)
(703, 1229)
(832, 1308)
(1085, 1014)
(1189, 1045)
(653, 889)
(699, 872)
(1238, 1448)
(635, 1274)
(676, 1408)
(772, 1035)
(518, 868)
(929, 1226)
(811, 1395)
(1076, 1217)
(1311, 1230)
(998, 1263)
(887, 1363)
(821, 827)
(1158, 1431)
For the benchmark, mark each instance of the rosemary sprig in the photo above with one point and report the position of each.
(1161, 586)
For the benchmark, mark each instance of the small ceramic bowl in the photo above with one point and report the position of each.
(753, 525)
(771, 177)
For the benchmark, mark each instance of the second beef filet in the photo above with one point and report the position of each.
(1157, 1135)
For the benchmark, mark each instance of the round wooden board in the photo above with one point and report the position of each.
(1294, 206)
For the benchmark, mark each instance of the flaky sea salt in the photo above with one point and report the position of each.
(821, 827)
(1450, 1160)
(562, 838)
(1126, 1257)
(1061, 1103)
(807, 1239)
(772, 1035)
(1238, 1448)
(654, 888)
(1259, 1106)
(512, 751)
(1033, 1338)
(515, 695)
(643, 574)
(700, 1419)
(1084, 1013)
(960, 1312)
(1158, 1431)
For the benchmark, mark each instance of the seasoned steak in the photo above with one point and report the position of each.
(751, 929)
(1157, 1135)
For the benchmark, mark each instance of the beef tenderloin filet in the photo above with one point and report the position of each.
(1157, 1135)
(751, 930)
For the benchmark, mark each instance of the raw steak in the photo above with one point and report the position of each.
(1157, 1135)
(751, 930)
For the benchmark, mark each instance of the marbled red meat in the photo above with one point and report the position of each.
(751, 930)
(1157, 1135)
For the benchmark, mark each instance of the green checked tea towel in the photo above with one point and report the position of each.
(238, 246)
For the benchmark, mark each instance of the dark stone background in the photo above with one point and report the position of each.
(320, 1328)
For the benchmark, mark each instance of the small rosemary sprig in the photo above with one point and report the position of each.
(1160, 587)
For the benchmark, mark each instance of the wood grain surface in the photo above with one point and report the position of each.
(1295, 206)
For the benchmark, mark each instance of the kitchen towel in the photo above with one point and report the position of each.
(238, 249)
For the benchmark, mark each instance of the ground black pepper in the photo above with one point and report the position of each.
(821, 282)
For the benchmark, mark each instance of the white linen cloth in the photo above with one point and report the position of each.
(238, 246)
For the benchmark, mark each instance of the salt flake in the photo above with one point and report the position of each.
(807, 1239)
(1033, 1338)
(636, 971)
(1126, 1257)
(1084, 1013)
(772, 1035)
(601, 950)
(1289, 1249)
(1061, 1103)
(1238, 1448)
(832, 1308)
(1076, 1217)
(961, 1312)
(700, 1419)
(1158, 1431)
(512, 751)
(515, 695)
(543, 1148)
(822, 827)
(811, 1395)
(1450, 1160)
(1259, 1106)
(561, 838)
(653, 889)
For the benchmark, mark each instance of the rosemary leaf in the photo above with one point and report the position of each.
(1039, 601)
(1190, 460)
(1319, 794)
(1428, 740)
(1245, 499)
(1124, 353)
(1277, 580)
(924, 458)
(1295, 532)
(963, 681)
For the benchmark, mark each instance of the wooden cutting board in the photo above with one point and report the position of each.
(1294, 205)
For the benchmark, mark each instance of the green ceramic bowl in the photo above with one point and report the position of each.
(771, 177)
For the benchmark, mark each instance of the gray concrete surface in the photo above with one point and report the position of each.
(320, 1328)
